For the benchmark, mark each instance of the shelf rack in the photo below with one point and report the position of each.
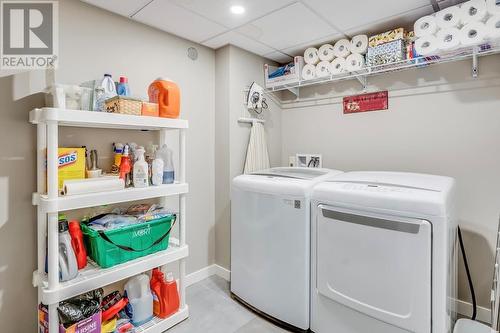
(50, 290)
(472, 52)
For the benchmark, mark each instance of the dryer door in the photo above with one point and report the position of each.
(377, 265)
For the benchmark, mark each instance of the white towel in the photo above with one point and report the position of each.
(257, 154)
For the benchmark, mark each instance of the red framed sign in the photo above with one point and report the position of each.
(366, 102)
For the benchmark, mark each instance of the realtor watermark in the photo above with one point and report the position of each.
(29, 36)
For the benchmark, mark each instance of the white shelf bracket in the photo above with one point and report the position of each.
(295, 91)
(364, 81)
(475, 70)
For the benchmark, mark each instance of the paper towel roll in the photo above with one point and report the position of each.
(473, 33)
(493, 27)
(92, 185)
(325, 52)
(338, 66)
(425, 26)
(449, 17)
(355, 62)
(323, 68)
(341, 49)
(426, 45)
(448, 39)
(309, 72)
(473, 11)
(493, 7)
(359, 44)
(311, 56)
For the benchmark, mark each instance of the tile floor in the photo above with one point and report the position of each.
(212, 310)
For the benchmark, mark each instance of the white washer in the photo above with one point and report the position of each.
(270, 242)
(383, 254)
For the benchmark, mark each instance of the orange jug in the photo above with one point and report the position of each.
(167, 94)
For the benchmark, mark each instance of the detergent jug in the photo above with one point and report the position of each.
(138, 292)
(168, 97)
(77, 243)
(68, 266)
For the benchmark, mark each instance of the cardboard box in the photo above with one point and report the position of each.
(150, 109)
(88, 325)
(386, 37)
(71, 164)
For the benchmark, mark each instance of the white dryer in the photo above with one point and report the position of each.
(383, 254)
(270, 242)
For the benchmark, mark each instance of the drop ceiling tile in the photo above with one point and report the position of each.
(239, 40)
(299, 49)
(279, 57)
(346, 15)
(405, 20)
(219, 10)
(179, 21)
(286, 27)
(122, 7)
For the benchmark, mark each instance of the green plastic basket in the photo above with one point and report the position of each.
(113, 247)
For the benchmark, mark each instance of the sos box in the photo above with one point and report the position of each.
(71, 164)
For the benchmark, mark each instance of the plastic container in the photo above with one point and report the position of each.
(66, 96)
(123, 89)
(167, 94)
(165, 294)
(68, 267)
(77, 243)
(157, 171)
(104, 91)
(140, 307)
(113, 247)
(166, 155)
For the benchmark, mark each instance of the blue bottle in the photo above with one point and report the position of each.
(122, 88)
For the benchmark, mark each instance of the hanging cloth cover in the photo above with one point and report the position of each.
(257, 154)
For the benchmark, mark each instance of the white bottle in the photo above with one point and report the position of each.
(157, 170)
(140, 298)
(141, 169)
(168, 164)
(107, 90)
(68, 267)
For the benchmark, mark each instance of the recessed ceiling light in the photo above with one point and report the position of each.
(238, 10)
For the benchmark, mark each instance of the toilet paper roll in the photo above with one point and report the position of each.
(323, 68)
(425, 26)
(449, 17)
(448, 39)
(325, 52)
(493, 27)
(473, 33)
(338, 66)
(493, 7)
(342, 47)
(309, 72)
(426, 45)
(355, 62)
(92, 185)
(359, 44)
(311, 56)
(473, 11)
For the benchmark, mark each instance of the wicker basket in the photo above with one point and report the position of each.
(125, 105)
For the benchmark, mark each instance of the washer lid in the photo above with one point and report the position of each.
(296, 173)
(396, 179)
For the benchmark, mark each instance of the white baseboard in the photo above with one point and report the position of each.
(207, 272)
(465, 309)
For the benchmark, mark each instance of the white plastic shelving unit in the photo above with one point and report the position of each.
(50, 290)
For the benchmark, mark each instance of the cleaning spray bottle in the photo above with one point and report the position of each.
(125, 166)
(141, 169)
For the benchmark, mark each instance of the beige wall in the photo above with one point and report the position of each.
(449, 125)
(93, 42)
(235, 70)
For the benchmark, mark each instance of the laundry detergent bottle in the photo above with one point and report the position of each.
(171, 294)
(68, 266)
(168, 97)
(77, 243)
(138, 292)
